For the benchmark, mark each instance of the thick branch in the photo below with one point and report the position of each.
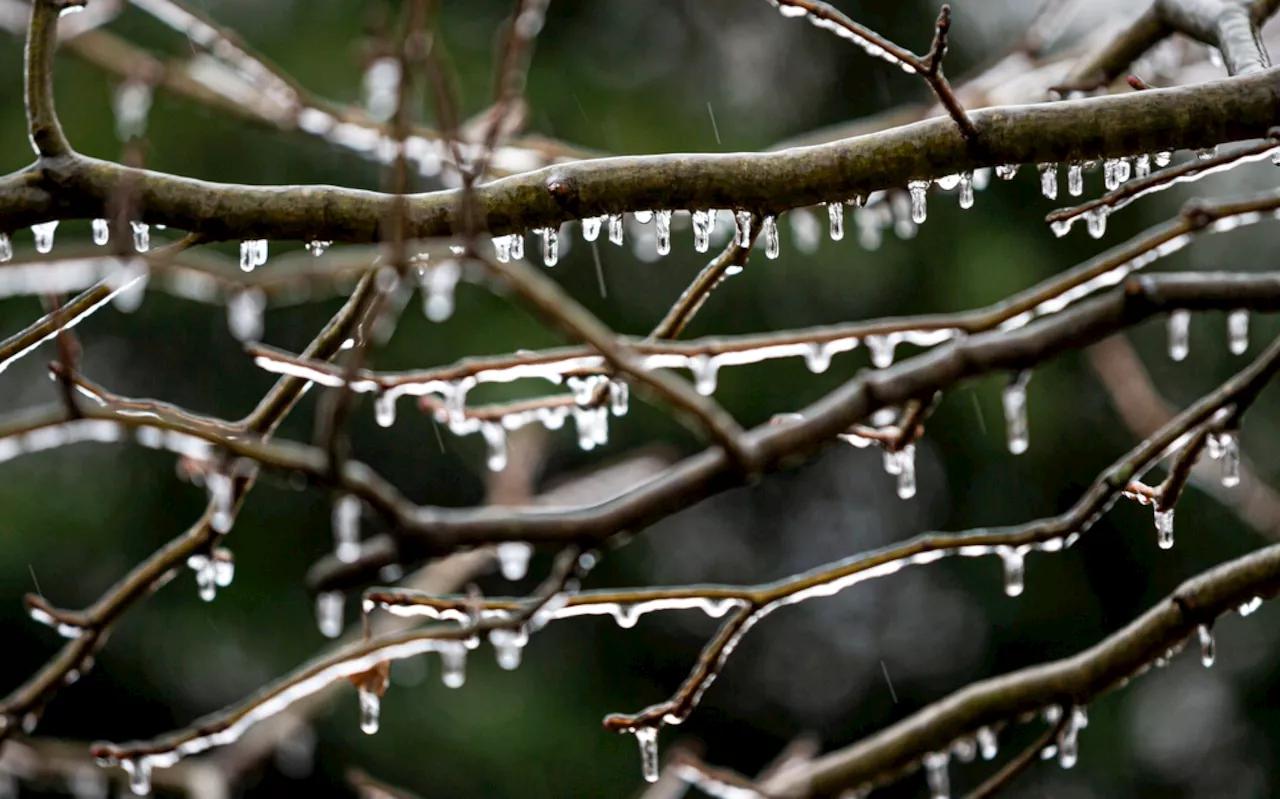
(47, 138)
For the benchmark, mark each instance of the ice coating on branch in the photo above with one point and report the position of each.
(615, 229)
(966, 190)
(1207, 650)
(43, 234)
(329, 607)
(1075, 179)
(769, 230)
(1164, 528)
(919, 190)
(1014, 559)
(935, 769)
(139, 773)
(346, 528)
(1049, 181)
(550, 246)
(1096, 220)
(1014, 399)
(253, 253)
(647, 737)
(868, 45)
(513, 559)
(508, 645)
(1179, 334)
(244, 314)
(1238, 331)
(370, 707)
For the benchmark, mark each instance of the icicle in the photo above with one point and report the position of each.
(743, 220)
(835, 220)
(508, 645)
(139, 772)
(513, 559)
(224, 568)
(903, 464)
(1142, 166)
(1007, 171)
(453, 664)
(317, 247)
(495, 435)
(1014, 570)
(329, 608)
(881, 348)
(1123, 171)
(6, 248)
(244, 314)
(703, 221)
(1069, 741)
(131, 103)
(591, 228)
(619, 397)
(1230, 459)
(1097, 221)
(769, 229)
(550, 246)
(919, 190)
(1163, 159)
(1109, 174)
(382, 88)
(384, 408)
(1207, 651)
(502, 247)
(966, 190)
(987, 743)
(935, 768)
(1249, 607)
(101, 232)
(206, 584)
(704, 371)
(370, 706)
(1179, 334)
(43, 233)
(643, 217)
(517, 246)
(1075, 179)
(346, 528)
(662, 230)
(1049, 181)
(615, 229)
(817, 357)
(1164, 528)
(141, 236)
(647, 737)
(1014, 399)
(1238, 330)
(219, 486)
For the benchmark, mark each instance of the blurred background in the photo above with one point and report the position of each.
(622, 76)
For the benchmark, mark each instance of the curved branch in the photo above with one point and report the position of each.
(47, 138)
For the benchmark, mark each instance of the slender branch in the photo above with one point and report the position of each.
(1025, 759)
(47, 138)
(691, 301)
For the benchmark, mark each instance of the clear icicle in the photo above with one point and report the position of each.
(1164, 528)
(101, 232)
(1179, 334)
(769, 229)
(219, 486)
(835, 220)
(647, 737)
(1014, 399)
(1249, 607)
(1142, 166)
(244, 314)
(495, 435)
(615, 229)
(743, 221)
(453, 664)
(919, 190)
(1007, 171)
(1069, 741)
(43, 234)
(517, 246)
(881, 348)
(1014, 570)
(1075, 180)
(346, 528)
(1049, 181)
(1230, 459)
(703, 221)
(1238, 331)
(508, 645)
(550, 246)
(384, 409)
(502, 247)
(662, 230)
(704, 371)
(329, 607)
(643, 217)
(903, 464)
(253, 253)
(1207, 649)
(139, 772)
(987, 744)
(935, 769)
(317, 247)
(591, 228)
(370, 707)
(1096, 219)
(6, 248)
(513, 559)
(141, 236)
(1110, 174)
(966, 190)
(1163, 159)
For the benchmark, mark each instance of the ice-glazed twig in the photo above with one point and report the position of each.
(692, 299)
(1023, 761)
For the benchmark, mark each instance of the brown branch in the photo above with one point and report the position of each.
(47, 138)
(1025, 759)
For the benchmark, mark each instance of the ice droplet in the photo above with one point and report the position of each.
(935, 769)
(141, 236)
(370, 707)
(591, 228)
(704, 371)
(1075, 179)
(919, 190)
(1164, 528)
(1014, 399)
(1207, 649)
(495, 435)
(513, 559)
(139, 772)
(643, 217)
(615, 229)
(219, 486)
(43, 234)
(881, 348)
(317, 247)
(1179, 334)
(550, 246)
(662, 230)
(817, 357)
(1238, 331)
(1230, 459)
(1142, 166)
(244, 314)
(6, 248)
(769, 229)
(703, 221)
(835, 220)
(903, 464)
(1049, 181)
(453, 664)
(1163, 159)
(1007, 171)
(253, 253)
(743, 221)
(517, 246)
(966, 190)
(1110, 174)
(987, 743)
(1014, 569)
(1069, 740)
(329, 608)
(101, 232)
(384, 408)
(647, 737)
(508, 645)
(1249, 607)
(1096, 219)
(346, 528)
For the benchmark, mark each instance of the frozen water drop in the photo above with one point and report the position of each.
(1142, 166)
(1163, 159)
(704, 371)
(818, 357)
(317, 247)
(513, 559)
(987, 744)
(662, 230)
(743, 221)
(1097, 221)
(453, 664)
(1014, 570)
(835, 220)
(244, 314)
(919, 190)
(329, 608)
(643, 217)
(1049, 181)
(43, 234)
(1014, 399)
(496, 437)
(346, 528)
(881, 348)
(550, 246)
(769, 229)
(935, 769)
(591, 228)
(1075, 179)
(1230, 459)
(1249, 607)
(1179, 334)
(6, 248)
(907, 472)
(1238, 331)
(703, 222)
(517, 246)
(139, 772)
(615, 229)
(1207, 650)
(101, 232)
(502, 247)
(370, 707)
(141, 236)
(966, 190)
(647, 737)
(1164, 528)
(1007, 171)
